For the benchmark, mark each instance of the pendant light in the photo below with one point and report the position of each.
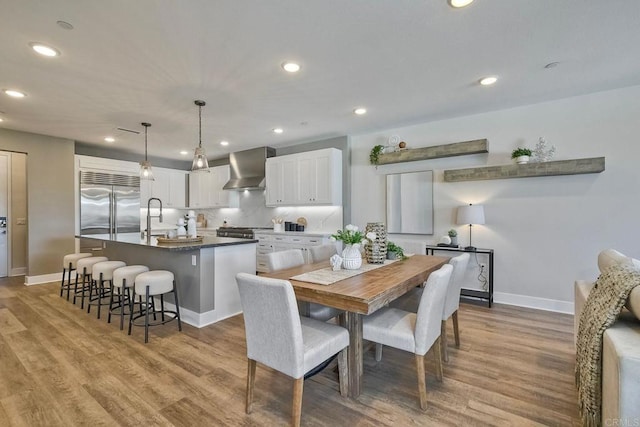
(145, 166)
(200, 162)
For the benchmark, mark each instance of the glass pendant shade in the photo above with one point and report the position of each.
(145, 171)
(145, 166)
(200, 162)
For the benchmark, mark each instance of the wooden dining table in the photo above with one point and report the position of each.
(361, 295)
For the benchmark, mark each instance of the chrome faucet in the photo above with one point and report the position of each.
(149, 217)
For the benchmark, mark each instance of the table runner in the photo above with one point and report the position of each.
(326, 276)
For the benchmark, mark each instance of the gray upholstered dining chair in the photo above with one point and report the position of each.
(282, 340)
(282, 260)
(322, 252)
(413, 332)
(410, 301)
(452, 301)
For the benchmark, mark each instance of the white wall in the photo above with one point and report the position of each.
(546, 231)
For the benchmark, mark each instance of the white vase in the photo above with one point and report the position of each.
(522, 160)
(351, 257)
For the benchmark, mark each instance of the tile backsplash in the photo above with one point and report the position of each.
(254, 213)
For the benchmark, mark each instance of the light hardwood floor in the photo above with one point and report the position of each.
(60, 366)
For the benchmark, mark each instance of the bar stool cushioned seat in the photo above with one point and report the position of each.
(149, 284)
(69, 263)
(123, 280)
(84, 269)
(102, 272)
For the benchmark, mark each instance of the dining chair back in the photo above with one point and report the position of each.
(282, 340)
(322, 252)
(282, 260)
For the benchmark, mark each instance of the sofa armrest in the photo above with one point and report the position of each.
(581, 289)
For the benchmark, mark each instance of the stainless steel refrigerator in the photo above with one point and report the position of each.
(109, 204)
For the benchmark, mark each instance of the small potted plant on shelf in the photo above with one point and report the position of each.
(374, 155)
(453, 234)
(394, 251)
(521, 155)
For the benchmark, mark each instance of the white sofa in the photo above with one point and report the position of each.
(620, 351)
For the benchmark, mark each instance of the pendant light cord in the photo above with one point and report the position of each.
(200, 126)
(146, 126)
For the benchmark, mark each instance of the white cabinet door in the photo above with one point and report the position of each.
(281, 181)
(205, 189)
(177, 189)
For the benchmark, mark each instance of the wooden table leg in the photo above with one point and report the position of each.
(354, 354)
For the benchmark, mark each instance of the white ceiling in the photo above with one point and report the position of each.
(406, 61)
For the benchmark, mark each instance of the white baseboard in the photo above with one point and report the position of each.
(43, 278)
(199, 320)
(534, 302)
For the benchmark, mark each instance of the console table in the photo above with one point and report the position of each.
(471, 293)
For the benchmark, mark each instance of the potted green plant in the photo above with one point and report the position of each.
(374, 155)
(521, 155)
(394, 251)
(453, 234)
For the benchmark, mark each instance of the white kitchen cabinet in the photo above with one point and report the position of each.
(169, 185)
(268, 243)
(305, 179)
(280, 181)
(205, 189)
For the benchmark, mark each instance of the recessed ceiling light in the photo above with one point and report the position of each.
(360, 111)
(1, 119)
(14, 93)
(278, 130)
(109, 139)
(184, 152)
(65, 25)
(44, 50)
(225, 143)
(459, 3)
(552, 65)
(291, 67)
(488, 81)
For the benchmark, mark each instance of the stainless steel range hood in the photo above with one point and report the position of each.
(248, 169)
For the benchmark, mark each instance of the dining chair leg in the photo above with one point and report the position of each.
(443, 344)
(146, 317)
(456, 331)
(343, 373)
(438, 359)
(422, 383)
(251, 380)
(296, 410)
(378, 352)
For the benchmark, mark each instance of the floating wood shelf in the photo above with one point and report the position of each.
(559, 167)
(476, 146)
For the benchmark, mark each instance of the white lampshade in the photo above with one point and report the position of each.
(471, 214)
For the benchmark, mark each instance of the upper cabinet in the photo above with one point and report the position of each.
(169, 185)
(305, 179)
(205, 189)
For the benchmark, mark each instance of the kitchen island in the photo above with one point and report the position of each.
(205, 271)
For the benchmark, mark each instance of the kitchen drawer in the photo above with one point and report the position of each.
(262, 237)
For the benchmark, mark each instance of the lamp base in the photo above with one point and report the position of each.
(470, 248)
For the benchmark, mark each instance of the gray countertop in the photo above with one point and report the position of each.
(134, 239)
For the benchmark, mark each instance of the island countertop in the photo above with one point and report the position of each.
(134, 239)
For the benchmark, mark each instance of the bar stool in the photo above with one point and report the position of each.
(123, 280)
(84, 268)
(149, 284)
(68, 265)
(102, 272)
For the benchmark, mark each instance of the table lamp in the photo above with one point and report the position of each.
(472, 214)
